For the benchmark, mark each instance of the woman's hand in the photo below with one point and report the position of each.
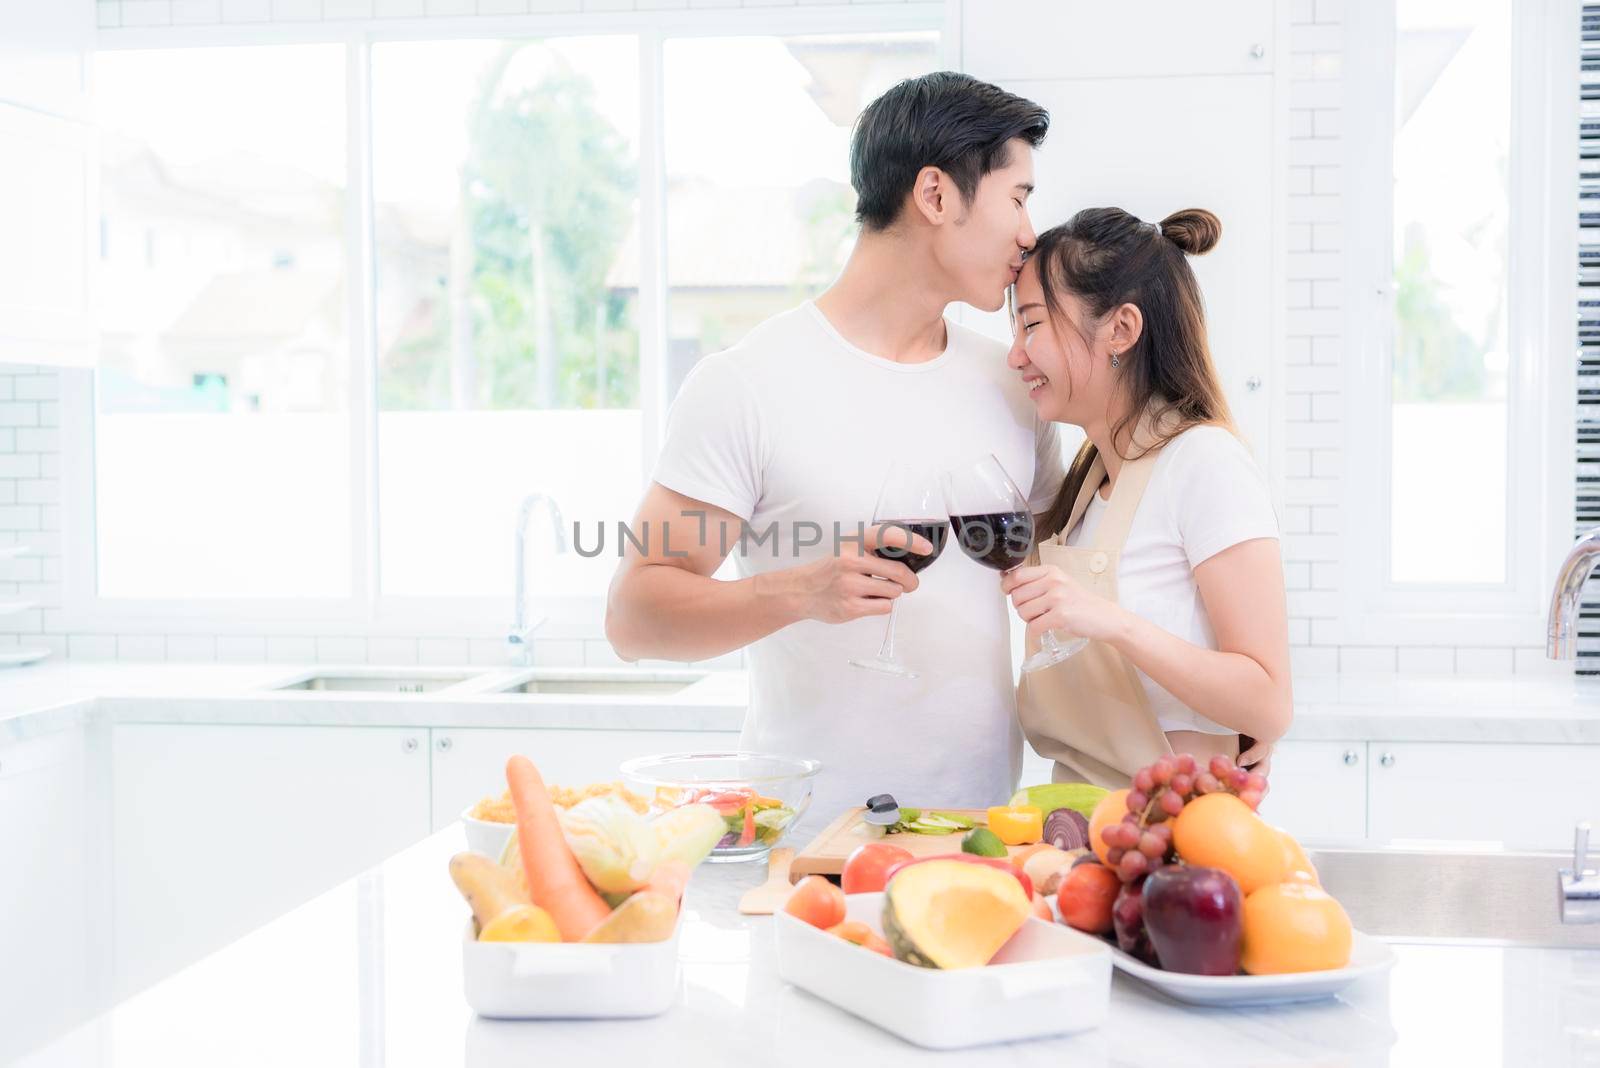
(1048, 599)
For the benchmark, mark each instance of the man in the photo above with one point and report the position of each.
(794, 429)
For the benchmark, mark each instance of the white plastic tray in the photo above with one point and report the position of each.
(545, 980)
(1048, 980)
(1368, 956)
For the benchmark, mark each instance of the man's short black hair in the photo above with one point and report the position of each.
(947, 120)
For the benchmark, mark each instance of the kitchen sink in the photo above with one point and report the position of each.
(388, 681)
(1402, 893)
(613, 683)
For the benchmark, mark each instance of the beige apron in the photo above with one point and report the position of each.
(1089, 713)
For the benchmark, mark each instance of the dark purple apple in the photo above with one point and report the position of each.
(1193, 918)
(1127, 919)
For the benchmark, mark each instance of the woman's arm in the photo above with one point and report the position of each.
(1242, 684)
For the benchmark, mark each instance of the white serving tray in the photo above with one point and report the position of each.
(570, 980)
(1368, 956)
(1048, 980)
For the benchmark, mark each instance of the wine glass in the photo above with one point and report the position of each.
(994, 527)
(909, 499)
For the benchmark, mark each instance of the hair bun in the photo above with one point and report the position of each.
(1194, 230)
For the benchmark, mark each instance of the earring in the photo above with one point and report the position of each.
(1115, 360)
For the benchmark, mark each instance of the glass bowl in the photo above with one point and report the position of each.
(760, 795)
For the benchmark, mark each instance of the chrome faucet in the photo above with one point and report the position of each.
(1561, 643)
(519, 643)
(1578, 886)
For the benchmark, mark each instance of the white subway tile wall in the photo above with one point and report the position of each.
(1312, 355)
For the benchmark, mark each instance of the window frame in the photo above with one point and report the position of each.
(367, 611)
(1372, 609)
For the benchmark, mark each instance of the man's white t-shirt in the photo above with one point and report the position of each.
(1205, 495)
(795, 425)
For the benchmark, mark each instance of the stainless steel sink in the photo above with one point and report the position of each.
(1500, 897)
(609, 683)
(387, 681)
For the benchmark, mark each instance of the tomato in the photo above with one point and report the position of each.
(1003, 863)
(862, 935)
(867, 869)
(816, 901)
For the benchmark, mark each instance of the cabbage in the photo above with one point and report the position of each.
(689, 833)
(616, 847)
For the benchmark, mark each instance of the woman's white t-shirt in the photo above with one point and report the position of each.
(1205, 495)
(793, 430)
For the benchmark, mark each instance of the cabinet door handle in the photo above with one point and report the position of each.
(444, 744)
(1387, 760)
(1253, 383)
(409, 745)
(1257, 51)
(1351, 758)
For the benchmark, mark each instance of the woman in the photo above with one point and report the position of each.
(1162, 547)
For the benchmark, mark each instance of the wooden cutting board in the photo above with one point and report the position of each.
(825, 854)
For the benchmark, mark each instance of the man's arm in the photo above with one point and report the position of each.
(669, 607)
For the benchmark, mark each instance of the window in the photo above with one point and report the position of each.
(760, 212)
(1457, 401)
(222, 431)
(505, 189)
(1451, 365)
(350, 323)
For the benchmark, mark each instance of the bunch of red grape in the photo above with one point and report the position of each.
(1142, 842)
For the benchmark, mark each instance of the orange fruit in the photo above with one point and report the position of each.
(1297, 866)
(1111, 809)
(816, 901)
(1220, 831)
(1293, 927)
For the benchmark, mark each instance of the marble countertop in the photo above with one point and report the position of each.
(1546, 709)
(370, 973)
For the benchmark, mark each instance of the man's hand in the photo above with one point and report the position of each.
(855, 583)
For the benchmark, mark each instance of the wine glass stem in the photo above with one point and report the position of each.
(886, 651)
(1047, 642)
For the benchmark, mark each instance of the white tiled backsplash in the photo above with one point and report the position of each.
(1312, 357)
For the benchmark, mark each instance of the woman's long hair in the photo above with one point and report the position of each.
(1106, 258)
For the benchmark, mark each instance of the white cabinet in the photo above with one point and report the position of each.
(45, 928)
(1155, 145)
(1007, 40)
(1319, 791)
(469, 763)
(1522, 796)
(218, 829)
(47, 225)
(44, 56)
(44, 239)
(1155, 106)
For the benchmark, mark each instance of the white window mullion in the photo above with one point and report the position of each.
(363, 364)
(652, 248)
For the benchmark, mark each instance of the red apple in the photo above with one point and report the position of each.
(1193, 916)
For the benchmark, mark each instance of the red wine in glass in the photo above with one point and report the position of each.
(910, 500)
(995, 528)
(935, 530)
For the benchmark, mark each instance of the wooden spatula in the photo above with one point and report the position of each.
(766, 899)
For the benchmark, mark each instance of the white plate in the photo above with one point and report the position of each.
(18, 657)
(1047, 980)
(1368, 956)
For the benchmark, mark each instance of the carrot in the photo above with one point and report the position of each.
(670, 879)
(555, 882)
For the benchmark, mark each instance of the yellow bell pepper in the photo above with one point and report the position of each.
(1017, 824)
